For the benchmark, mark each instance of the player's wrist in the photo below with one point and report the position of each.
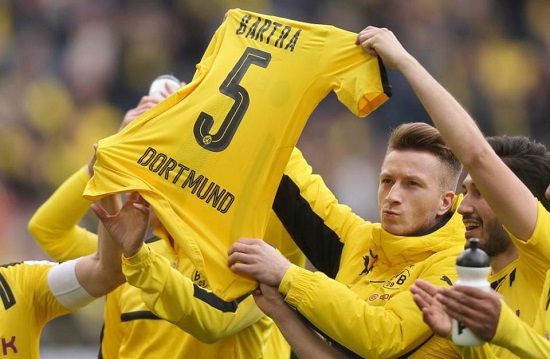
(132, 250)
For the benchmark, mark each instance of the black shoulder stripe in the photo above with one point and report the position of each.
(6, 293)
(384, 77)
(215, 301)
(139, 314)
(512, 277)
(320, 244)
(496, 283)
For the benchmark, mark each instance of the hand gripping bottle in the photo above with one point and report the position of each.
(472, 267)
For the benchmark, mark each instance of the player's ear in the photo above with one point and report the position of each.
(446, 202)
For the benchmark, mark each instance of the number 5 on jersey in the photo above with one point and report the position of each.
(218, 141)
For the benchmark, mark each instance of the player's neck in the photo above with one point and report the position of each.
(501, 260)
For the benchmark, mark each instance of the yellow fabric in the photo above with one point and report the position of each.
(210, 157)
(542, 322)
(53, 224)
(144, 338)
(371, 312)
(520, 283)
(26, 305)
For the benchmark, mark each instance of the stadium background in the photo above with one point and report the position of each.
(70, 69)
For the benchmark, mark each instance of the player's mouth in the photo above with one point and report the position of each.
(473, 228)
(390, 213)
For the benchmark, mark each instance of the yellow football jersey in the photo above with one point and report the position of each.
(27, 305)
(542, 322)
(210, 157)
(521, 282)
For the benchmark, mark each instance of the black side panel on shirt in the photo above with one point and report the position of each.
(215, 301)
(6, 293)
(139, 314)
(320, 244)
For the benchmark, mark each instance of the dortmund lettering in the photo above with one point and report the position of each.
(271, 29)
(201, 186)
(8, 344)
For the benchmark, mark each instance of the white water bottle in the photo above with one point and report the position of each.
(159, 84)
(472, 267)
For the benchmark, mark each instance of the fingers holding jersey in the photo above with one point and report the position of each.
(382, 42)
(129, 225)
(257, 259)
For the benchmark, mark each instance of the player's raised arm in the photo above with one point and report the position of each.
(518, 212)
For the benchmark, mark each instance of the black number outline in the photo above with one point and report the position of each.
(230, 87)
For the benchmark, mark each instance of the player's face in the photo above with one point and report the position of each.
(410, 198)
(547, 193)
(480, 221)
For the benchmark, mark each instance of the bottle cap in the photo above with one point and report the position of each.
(473, 256)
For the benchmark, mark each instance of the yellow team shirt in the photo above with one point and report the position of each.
(210, 157)
(27, 304)
(131, 329)
(520, 283)
(368, 308)
(542, 322)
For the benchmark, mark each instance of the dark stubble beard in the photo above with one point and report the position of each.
(497, 241)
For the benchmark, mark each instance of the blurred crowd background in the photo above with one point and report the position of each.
(70, 69)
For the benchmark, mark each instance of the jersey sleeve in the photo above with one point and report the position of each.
(55, 224)
(542, 321)
(386, 331)
(535, 252)
(210, 53)
(173, 297)
(358, 79)
(518, 337)
(34, 280)
(311, 214)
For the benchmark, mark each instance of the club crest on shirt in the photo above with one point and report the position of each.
(197, 279)
(397, 280)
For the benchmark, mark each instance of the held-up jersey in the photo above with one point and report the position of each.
(210, 157)
(246, 333)
(376, 316)
(520, 283)
(26, 305)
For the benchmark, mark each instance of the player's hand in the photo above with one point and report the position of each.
(433, 312)
(257, 259)
(382, 42)
(147, 102)
(129, 225)
(478, 310)
(270, 301)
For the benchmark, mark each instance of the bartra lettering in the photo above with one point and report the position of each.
(202, 187)
(279, 33)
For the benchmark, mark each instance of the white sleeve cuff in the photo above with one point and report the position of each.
(65, 286)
